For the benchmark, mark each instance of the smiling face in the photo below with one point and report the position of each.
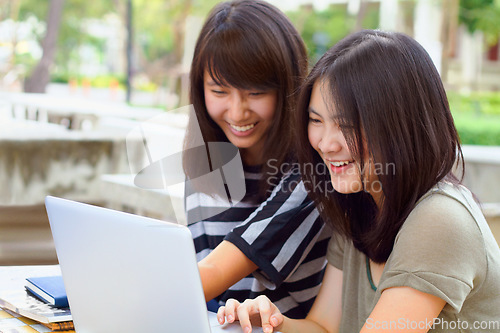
(327, 138)
(244, 115)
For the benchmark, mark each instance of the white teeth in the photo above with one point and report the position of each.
(337, 164)
(242, 128)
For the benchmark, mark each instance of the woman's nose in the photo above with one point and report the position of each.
(330, 142)
(237, 107)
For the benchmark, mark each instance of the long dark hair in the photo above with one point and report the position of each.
(393, 109)
(249, 44)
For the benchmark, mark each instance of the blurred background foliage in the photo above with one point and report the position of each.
(322, 29)
(483, 15)
(477, 117)
(159, 28)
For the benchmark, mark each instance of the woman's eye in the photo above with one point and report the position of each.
(314, 120)
(218, 92)
(256, 93)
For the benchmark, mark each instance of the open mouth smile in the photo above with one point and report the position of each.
(242, 128)
(339, 166)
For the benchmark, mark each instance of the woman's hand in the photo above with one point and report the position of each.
(261, 310)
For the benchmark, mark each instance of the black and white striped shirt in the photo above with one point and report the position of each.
(284, 236)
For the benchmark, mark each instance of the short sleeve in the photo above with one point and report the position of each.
(281, 232)
(439, 251)
(335, 252)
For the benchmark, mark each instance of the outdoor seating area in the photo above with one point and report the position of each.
(43, 152)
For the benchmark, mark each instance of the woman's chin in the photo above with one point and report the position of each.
(347, 189)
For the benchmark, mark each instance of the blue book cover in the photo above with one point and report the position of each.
(49, 289)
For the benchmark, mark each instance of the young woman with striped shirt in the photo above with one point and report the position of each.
(248, 63)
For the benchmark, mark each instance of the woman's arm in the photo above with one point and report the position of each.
(228, 263)
(324, 315)
(222, 268)
(327, 308)
(403, 309)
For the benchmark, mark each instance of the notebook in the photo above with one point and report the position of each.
(128, 273)
(49, 289)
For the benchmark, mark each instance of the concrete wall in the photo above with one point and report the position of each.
(69, 165)
(482, 177)
(482, 172)
(32, 169)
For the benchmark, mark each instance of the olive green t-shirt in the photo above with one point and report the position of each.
(445, 248)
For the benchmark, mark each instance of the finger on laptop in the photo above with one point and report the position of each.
(265, 308)
(270, 316)
(228, 311)
(221, 314)
(244, 311)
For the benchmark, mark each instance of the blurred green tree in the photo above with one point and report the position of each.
(62, 34)
(40, 77)
(320, 29)
(159, 27)
(482, 15)
(160, 31)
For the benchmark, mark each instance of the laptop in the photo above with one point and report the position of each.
(128, 273)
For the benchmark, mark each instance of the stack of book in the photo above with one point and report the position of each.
(49, 307)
